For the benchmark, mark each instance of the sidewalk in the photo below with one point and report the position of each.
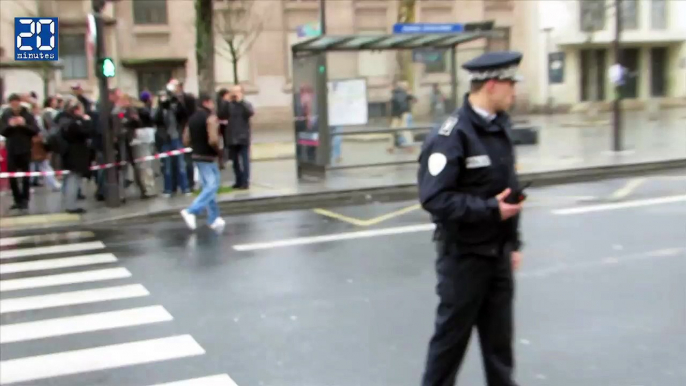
(563, 150)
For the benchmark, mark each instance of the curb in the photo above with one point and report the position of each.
(399, 192)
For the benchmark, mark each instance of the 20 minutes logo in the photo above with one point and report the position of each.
(36, 38)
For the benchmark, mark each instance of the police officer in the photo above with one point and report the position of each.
(467, 182)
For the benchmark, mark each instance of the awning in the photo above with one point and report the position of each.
(154, 62)
(388, 42)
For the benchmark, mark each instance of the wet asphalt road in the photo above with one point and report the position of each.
(601, 296)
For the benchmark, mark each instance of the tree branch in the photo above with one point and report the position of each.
(239, 28)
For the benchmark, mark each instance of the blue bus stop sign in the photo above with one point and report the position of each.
(427, 28)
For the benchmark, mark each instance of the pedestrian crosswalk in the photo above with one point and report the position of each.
(50, 275)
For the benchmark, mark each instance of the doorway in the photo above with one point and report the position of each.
(659, 57)
(593, 74)
(630, 60)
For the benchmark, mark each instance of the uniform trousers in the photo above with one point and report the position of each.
(474, 291)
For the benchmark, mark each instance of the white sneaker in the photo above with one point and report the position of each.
(189, 219)
(218, 225)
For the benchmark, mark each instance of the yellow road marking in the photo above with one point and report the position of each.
(337, 216)
(8, 222)
(628, 188)
(391, 215)
(366, 223)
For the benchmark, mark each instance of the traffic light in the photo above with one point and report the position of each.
(107, 67)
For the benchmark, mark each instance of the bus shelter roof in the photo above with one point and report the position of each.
(326, 43)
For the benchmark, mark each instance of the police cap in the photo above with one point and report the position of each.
(501, 65)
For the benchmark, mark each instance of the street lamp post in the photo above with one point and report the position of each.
(111, 186)
(616, 108)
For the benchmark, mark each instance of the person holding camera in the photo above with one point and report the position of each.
(76, 129)
(169, 119)
(237, 136)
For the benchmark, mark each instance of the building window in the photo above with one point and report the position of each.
(436, 61)
(153, 80)
(630, 60)
(593, 70)
(500, 43)
(592, 14)
(658, 14)
(629, 14)
(659, 57)
(73, 55)
(150, 11)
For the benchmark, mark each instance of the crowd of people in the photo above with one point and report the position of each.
(64, 133)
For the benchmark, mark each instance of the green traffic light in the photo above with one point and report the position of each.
(108, 68)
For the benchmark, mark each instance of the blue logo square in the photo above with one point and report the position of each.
(36, 39)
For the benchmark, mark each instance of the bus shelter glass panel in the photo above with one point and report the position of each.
(306, 110)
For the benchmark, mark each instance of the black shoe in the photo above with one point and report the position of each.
(76, 211)
(80, 197)
(15, 207)
(100, 197)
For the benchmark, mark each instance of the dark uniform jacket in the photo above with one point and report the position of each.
(76, 132)
(239, 122)
(464, 164)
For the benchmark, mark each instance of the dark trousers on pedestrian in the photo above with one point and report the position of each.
(474, 291)
(240, 158)
(20, 163)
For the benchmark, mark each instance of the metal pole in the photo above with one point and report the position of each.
(616, 111)
(453, 77)
(111, 187)
(322, 17)
(548, 96)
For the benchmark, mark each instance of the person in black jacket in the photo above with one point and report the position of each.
(186, 106)
(75, 127)
(18, 125)
(467, 182)
(168, 119)
(237, 136)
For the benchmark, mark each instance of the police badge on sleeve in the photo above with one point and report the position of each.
(448, 126)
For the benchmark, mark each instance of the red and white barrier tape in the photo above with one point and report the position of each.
(97, 167)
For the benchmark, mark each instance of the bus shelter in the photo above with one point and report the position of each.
(320, 104)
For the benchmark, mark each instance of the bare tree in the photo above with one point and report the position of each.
(238, 26)
(204, 44)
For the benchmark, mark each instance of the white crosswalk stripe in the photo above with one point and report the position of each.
(63, 279)
(38, 251)
(72, 298)
(11, 241)
(98, 358)
(213, 380)
(42, 265)
(45, 275)
(83, 323)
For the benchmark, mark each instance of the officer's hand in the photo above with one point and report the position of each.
(507, 210)
(516, 260)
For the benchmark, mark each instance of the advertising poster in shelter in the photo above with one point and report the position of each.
(305, 109)
(347, 100)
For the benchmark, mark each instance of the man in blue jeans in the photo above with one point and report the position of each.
(203, 136)
(169, 119)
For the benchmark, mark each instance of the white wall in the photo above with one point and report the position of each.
(22, 81)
